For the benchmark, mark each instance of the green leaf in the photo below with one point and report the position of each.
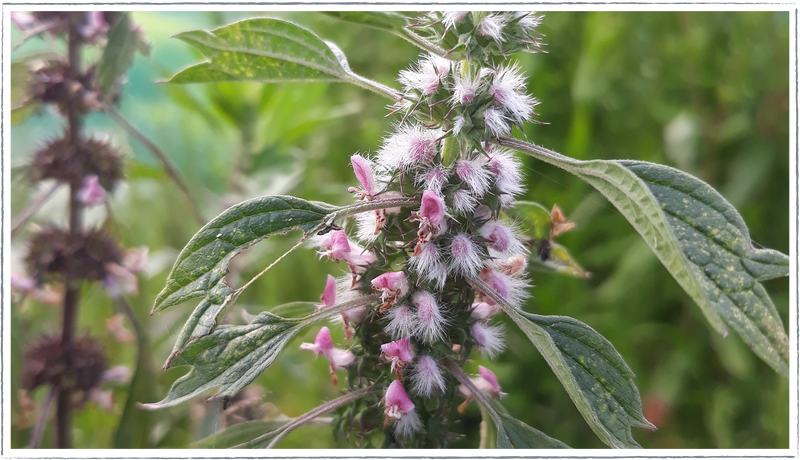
(699, 237)
(384, 20)
(231, 357)
(203, 264)
(118, 54)
(269, 51)
(240, 433)
(593, 373)
(514, 434)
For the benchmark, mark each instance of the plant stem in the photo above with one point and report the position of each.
(71, 287)
(23, 217)
(41, 421)
(161, 156)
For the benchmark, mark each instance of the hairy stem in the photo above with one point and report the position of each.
(161, 156)
(421, 42)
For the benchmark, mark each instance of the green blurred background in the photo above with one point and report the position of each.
(705, 92)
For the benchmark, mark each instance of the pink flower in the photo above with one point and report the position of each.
(328, 297)
(489, 339)
(336, 246)
(463, 202)
(506, 169)
(403, 322)
(508, 89)
(410, 145)
(511, 289)
(95, 24)
(22, 20)
(492, 26)
(135, 259)
(496, 122)
(432, 208)
(450, 18)
(392, 285)
(91, 192)
(400, 354)
(474, 176)
(22, 282)
(120, 281)
(427, 76)
(363, 171)
(426, 376)
(465, 256)
(464, 89)
(433, 179)
(399, 407)
(431, 323)
(323, 346)
(486, 382)
(483, 310)
(501, 238)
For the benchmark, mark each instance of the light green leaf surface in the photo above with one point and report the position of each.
(593, 373)
(269, 51)
(699, 237)
(231, 357)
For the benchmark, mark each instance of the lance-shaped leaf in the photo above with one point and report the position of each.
(700, 239)
(118, 54)
(269, 51)
(593, 373)
(233, 356)
(203, 264)
(514, 434)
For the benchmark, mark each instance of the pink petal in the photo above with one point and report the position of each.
(391, 281)
(323, 342)
(398, 349)
(329, 294)
(432, 207)
(339, 244)
(490, 378)
(396, 396)
(91, 192)
(340, 358)
(364, 174)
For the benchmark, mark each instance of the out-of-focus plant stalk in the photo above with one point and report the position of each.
(71, 287)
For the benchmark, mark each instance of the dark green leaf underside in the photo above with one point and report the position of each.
(385, 20)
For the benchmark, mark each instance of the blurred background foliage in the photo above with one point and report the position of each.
(705, 92)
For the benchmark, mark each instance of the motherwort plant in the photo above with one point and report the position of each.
(439, 245)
